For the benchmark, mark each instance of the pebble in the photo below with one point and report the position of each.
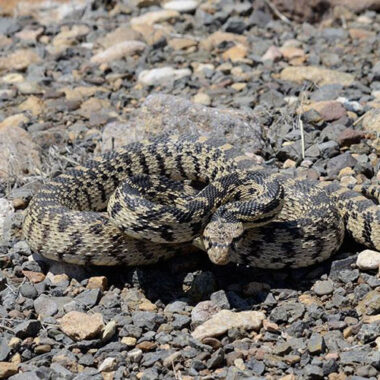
(118, 51)
(368, 260)
(181, 5)
(8, 369)
(154, 17)
(224, 320)
(79, 326)
(161, 75)
(322, 288)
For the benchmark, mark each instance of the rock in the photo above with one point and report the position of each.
(235, 53)
(178, 115)
(316, 75)
(118, 51)
(371, 120)
(349, 136)
(154, 17)
(45, 306)
(322, 288)
(225, 320)
(288, 312)
(216, 360)
(368, 260)
(33, 105)
(316, 344)
(161, 75)
(370, 304)
(19, 155)
(328, 110)
(202, 98)
(336, 164)
(67, 37)
(8, 369)
(181, 5)
(6, 211)
(34, 277)
(19, 60)
(272, 54)
(107, 365)
(182, 43)
(79, 326)
(99, 282)
(203, 311)
(27, 329)
(216, 38)
(313, 372)
(121, 34)
(360, 34)
(89, 297)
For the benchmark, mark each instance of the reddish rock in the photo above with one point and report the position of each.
(349, 136)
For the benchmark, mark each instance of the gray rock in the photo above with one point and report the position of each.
(4, 349)
(216, 360)
(322, 288)
(180, 321)
(257, 367)
(316, 344)
(220, 299)
(313, 372)
(288, 312)
(369, 332)
(45, 306)
(336, 164)
(147, 319)
(27, 329)
(175, 307)
(199, 285)
(150, 374)
(89, 297)
(327, 92)
(28, 291)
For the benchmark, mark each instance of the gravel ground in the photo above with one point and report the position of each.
(84, 77)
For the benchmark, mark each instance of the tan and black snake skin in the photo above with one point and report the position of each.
(241, 213)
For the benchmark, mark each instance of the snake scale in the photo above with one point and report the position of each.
(149, 200)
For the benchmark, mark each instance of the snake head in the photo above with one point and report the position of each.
(218, 237)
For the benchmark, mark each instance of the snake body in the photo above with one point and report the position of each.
(242, 213)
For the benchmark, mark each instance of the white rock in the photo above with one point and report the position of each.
(368, 260)
(107, 365)
(161, 75)
(118, 51)
(135, 355)
(181, 5)
(154, 17)
(223, 321)
(6, 210)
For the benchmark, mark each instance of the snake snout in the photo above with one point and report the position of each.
(218, 237)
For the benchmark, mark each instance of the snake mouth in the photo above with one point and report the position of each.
(218, 238)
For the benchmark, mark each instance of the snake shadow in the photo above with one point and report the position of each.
(193, 278)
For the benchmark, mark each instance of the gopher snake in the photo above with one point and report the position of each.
(244, 214)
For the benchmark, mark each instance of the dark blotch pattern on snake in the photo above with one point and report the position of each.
(240, 213)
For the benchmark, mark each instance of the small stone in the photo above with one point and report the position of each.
(161, 75)
(360, 34)
(313, 372)
(328, 110)
(118, 51)
(45, 306)
(272, 54)
(146, 305)
(170, 360)
(34, 277)
(42, 349)
(181, 5)
(8, 369)
(27, 329)
(19, 155)
(318, 75)
(235, 53)
(371, 120)
(316, 344)
(154, 17)
(135, 355)
(322, 288)
(216, 360)
(99, 282)
(107, 365)
(109, 330)
(129, 341)
(79, 326)
(146, 346)
(349, 136)
(368, 260)
(221, 322)
(202, 98)
(19, 60)
(370, 304)
(203, 311)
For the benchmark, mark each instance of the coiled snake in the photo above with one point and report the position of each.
(164, 193)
